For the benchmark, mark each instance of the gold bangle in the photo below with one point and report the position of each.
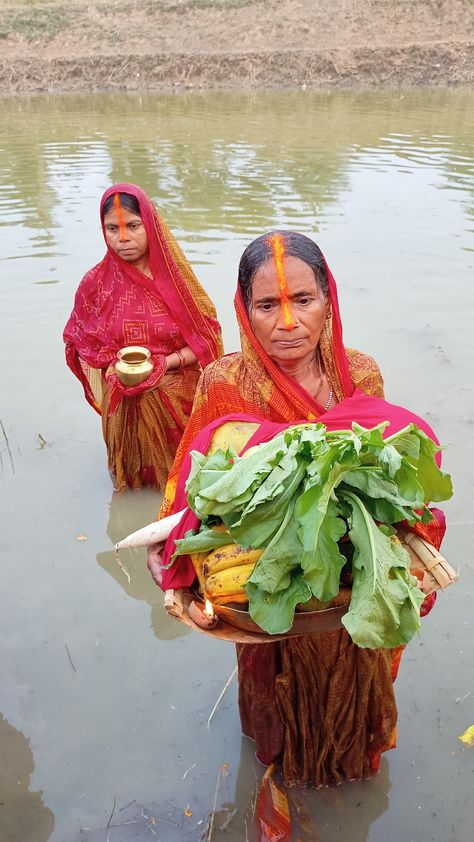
(181, 359)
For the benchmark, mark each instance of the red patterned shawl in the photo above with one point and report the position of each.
(117, 305)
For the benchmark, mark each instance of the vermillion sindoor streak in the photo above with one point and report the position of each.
(278, 248)
(118, 208)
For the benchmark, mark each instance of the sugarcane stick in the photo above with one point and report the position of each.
(429, 558)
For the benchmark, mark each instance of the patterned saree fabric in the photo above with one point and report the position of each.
(318, 704)
(252, 383)
(117, 305)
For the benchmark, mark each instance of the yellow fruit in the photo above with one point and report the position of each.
(231, 555)
(239, 598)
(198, 560)
(234, 433)
(250, 451)
(230, 581)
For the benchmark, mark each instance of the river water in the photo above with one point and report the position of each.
(103, 699)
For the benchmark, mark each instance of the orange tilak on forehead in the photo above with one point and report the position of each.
(118, 208)
(278, 247)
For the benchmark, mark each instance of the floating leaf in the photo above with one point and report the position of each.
(188, 812)
(468, 736)
(80, 537)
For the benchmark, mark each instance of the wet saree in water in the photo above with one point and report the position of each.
(318, 704)
(117, 305)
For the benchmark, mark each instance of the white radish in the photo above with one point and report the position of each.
(153, 533)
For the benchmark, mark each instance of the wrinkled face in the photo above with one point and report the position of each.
(284, 344)
(130, 243)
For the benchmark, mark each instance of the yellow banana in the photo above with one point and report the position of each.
(231, 555)
(239, 598)
(230, 581)
(198, 560)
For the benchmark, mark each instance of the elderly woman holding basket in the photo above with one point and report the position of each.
(319, 704)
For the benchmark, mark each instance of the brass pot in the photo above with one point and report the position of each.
(133, 365)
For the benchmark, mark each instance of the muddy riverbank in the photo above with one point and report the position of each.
(234, 44)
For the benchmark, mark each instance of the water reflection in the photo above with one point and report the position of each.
(23, 815)
(385, 182)
(233, 174)
(350, 810)
(352, 807)
(129, 511)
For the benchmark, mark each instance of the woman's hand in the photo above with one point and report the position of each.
(153, 561)
(180, 359)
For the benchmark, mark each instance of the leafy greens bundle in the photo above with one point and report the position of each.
(298, 496)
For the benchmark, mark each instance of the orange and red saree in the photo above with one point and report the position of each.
(252, 383)
(117, 305)
(318, 704)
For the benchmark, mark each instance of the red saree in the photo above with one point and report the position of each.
(318, 704)
(117, 305)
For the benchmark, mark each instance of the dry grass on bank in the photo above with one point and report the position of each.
(164, 44)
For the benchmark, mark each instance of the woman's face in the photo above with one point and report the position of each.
(131, 244)
(287, 344)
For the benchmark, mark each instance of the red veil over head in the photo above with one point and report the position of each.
(114, 300)
(332, 350)
(250, 382)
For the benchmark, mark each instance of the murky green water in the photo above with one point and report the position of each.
(104, 700)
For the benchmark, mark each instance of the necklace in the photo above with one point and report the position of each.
(328, 402)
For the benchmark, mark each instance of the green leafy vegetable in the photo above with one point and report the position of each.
(297, 496)
(385, 603)
(274, 612)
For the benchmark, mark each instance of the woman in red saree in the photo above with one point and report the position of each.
(319, 704)
(145, 293)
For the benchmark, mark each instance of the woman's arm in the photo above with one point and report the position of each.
(180, 359)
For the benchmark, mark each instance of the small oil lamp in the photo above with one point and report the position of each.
(203, 614)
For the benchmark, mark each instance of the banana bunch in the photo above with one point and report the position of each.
(225, 572)
(198, 559)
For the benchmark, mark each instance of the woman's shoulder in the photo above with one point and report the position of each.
(91, 292)
(91, 276)
(222, 368)
(365, 373)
